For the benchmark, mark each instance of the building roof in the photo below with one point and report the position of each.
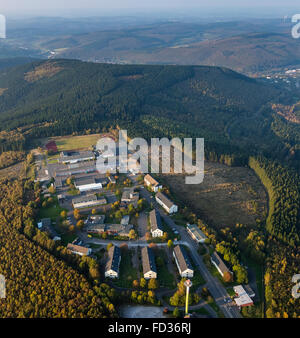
(164, 199)
(85, 198)
(78, 248)
(182, 258)
(96, 227)
(151, 180)
(97, 219)
(114, 254)
(196, 232)
(148, 260)
(67, 156)
(219, 262)
(243, 297)
(155, 221)
(84, 181)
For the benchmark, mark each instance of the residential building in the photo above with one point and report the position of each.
(243, 298)
(148, 260)
(167, 204)
(219, 264)
(87, 184)
(152, 183)
(75, 157)
(88, 201)
(79, 250)
(156, 227)
(113, 263)
(183, 263)
(196, 233)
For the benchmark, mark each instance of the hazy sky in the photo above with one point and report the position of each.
(98, 7)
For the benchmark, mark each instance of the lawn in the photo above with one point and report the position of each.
(127, 272)
(165, 277)
(198, 280)
(53, 211)
(76, 142)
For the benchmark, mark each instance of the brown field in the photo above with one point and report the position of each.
(227, 196)
(45, 70)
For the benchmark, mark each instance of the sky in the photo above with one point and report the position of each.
(98, 7)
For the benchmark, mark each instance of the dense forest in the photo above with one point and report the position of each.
(61, 97)
(37, 283)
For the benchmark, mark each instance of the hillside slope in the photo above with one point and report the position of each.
(60, 97)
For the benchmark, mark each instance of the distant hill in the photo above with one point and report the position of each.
(59, 97)
(195, 45)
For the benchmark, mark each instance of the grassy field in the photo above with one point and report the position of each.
(76, 142)
(165, 277)
(127, 272)
(53, 211)
(227, 196)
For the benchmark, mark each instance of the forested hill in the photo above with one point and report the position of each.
(60, 97)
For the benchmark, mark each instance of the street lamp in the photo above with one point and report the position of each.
(188, 284)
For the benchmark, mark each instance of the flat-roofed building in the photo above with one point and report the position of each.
(183, 263)
(152, 183)
(156, 227)
(196, 233)
(87, 184)
(148, 260)
(75, 169)
(243, 298)
(88, 201)
(75, 157)
(79, 250)
(219, 264)
(166, 203)
(113, 263)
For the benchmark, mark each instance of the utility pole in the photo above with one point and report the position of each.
(188, 284)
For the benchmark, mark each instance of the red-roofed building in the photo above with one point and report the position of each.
(52, 147)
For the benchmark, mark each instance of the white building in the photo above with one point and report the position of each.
(155, 224)
(75, 157)
(87, 184)
(148, 260)
(152, 183)
(196, 233)
(243, 298)
(167, 204)
(113, 263)
(183, 263)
